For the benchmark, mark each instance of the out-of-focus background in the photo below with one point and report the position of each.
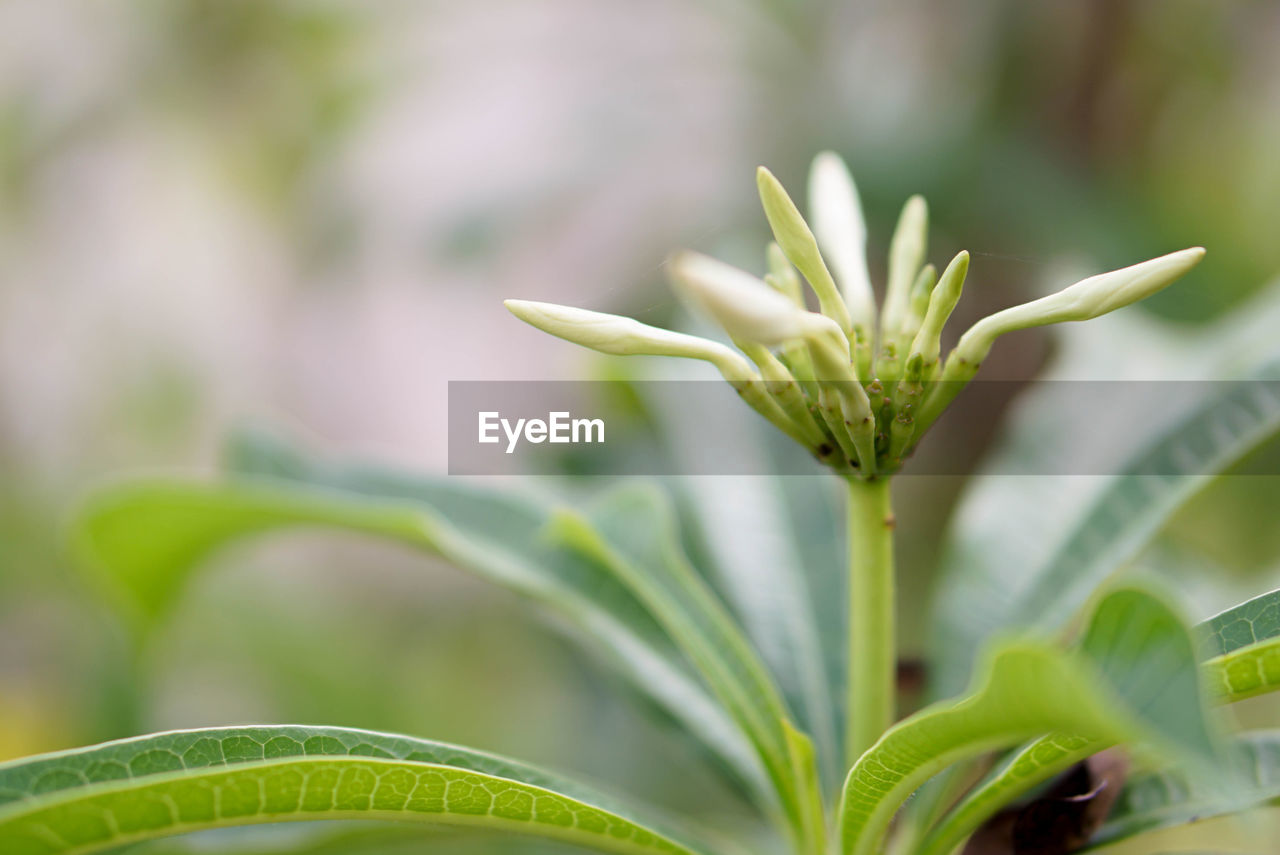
(306, 214)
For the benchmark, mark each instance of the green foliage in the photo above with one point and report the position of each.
(1054, 753)
(1133, 677)
(139, 789)
(1172, 796)
(737, 611)
(148, 536)
(633, 534)
(1120, 519)
(1248, 623)
(1037, 762)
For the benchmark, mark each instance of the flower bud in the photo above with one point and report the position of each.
(1086, 299)
(906, 255)
(746, 307)
(626, 336)
(801, 247)
(836, 213)
(942, 301)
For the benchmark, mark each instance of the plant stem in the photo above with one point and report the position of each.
(872, 642)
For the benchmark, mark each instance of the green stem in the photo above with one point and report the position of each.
(872, 643)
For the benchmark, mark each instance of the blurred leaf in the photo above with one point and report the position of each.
(1244, 643)
(1175, 796)
(1133, 679)
(1007, 528)
(1061, 820)
(756, 558)
(1120, 520)
(90, 799)
(1233, 630)
(348, 838)
(1256, 620)
(147, 537)
(772, 547)
(633, 531)
(1245, 672)
(1040, 761)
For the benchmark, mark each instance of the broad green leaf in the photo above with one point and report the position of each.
(91, 799)
(633, 532)
(147, 537)
(1120, 520)
(1174, 796)
(1134, 677)
(1250, 622)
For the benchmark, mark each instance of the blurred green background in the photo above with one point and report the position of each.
(306, 214)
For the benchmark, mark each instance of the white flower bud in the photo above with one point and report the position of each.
(1086, 299)
(836, 213)
(745, 306)
(626, 336)
(906, 256)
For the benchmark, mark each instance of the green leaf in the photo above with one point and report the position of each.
(91, 799)
(1174, 796)
(1250, 622)
(756, 563)
(982, 593)
(633, 532)
(772, 548)
(1245, 672)
(1039, 761)
(1242, 648)
(1252, 667)
(146, 538)
(1134, 677)
(637, 546)
(1026, 689)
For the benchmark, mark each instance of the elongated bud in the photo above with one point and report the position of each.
(746, 307)
(1086, 299)
(801, 247)
(928, 341)
(836, 213)
(906, 255)
(626, 336)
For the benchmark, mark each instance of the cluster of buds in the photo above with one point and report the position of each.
(855, 386)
